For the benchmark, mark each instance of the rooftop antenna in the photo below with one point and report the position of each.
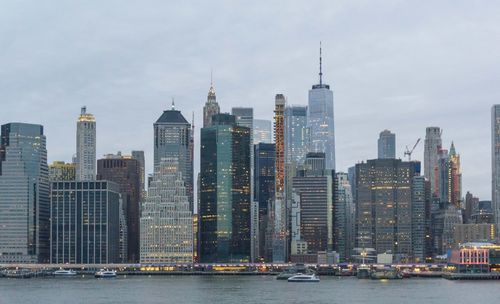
(320, 72)
(173, 104)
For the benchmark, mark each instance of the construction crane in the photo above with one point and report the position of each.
(409, 152)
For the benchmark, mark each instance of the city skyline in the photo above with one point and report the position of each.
(112, 91)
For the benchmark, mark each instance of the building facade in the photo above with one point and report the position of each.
(262, 131)
(24, 194)
(296, 134)
(495, 163)
(224, 214)
(343, 217)
(60, 170)
(85, 222)
(85, 146)
(433, 144)
(126, 172)
(173, 138)
(211, 107)
(167, 221)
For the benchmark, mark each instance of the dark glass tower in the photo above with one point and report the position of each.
(126, 172)
(24, 194)
(225, 192)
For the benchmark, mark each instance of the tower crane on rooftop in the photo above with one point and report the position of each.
(408, 152)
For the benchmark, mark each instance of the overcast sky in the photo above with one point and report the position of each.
(398, 65)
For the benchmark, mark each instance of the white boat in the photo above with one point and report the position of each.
(306, 278)
(103, 273)
(64, 273)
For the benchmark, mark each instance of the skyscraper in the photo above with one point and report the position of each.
(383, 205)
(24, 194)
(495, 163)
(125, 171)
(387, 144)
(262, 131)
(167, 221)
(173, 138)
(279, 207)
(224, 214)
(421, 219)
(85, 146)
(343, 217)
(296, 134)
(85, 222)
(139, 156)
(211, 107)
(264, 188)
(449, 177)
(320, 119)
(433, 145)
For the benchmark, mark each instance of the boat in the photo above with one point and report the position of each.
(293, 270)
(19, 273)
(64, 273)
(386, 274)
(363, 271)
(104, 273)
(306, 278)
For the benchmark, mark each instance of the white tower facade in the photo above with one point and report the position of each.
(85, 146)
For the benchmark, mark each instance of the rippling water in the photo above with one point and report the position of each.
(244, 289)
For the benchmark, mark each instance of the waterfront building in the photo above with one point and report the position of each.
(421, 219)
(173, 138)
(475, 258)
(60, 170)
(24, 194)
(320, 120)
(85, 146)
(280, 214)
(264, 188)
(495, 162)
(224, 213)
(167, 220)
(343, 217)
(313, 194)
(125, 171)
(296, 134)
(444, 221)
(387, 144)
(433, 144)
(384, 205)
(85, 222)
(262, 131)
(211, 107)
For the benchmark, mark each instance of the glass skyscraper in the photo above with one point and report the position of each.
(387, 144)
(225, 192)
(296, 134)
(320, 120)
(495, 163)
(24, 194)
(262, 131)
(173, 138)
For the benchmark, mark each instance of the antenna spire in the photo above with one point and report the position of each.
(320, 72)
(211, 77)
(173, 104)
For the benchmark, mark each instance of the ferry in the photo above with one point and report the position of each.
(64, 273)
(386, 274)
(103, 273)
(363, 271)
(305, 278)
(293, 270)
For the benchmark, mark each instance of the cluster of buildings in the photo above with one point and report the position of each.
(266, 192)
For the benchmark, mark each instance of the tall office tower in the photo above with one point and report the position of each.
(421, 219)
(244, 118)
(296, 134)
(279, 207)
(85, 222)
(173, 138)
(383, 213)
(320, 119)
(343, 217)
(167, 220)
(139, 156)
(60, 170)
(85, 146)
(495, 163)
(387, 144)
(224, 214)
(24, 194)
(211, 107)
(264, 187)
(262, 131)
(455, 178)
(471, 203)
(313, 194)
(125, 171)
(433, 145)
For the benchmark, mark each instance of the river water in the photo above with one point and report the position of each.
(244, 289)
